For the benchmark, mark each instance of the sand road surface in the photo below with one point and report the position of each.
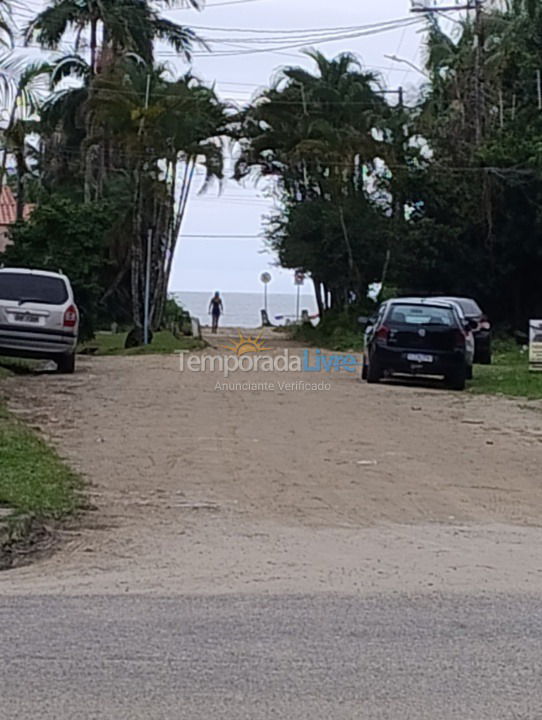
(359, 488)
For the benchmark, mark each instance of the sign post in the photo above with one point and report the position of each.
(265, 278)
(299, 280)
(535, 345)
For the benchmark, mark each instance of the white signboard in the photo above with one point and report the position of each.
(299, 277)
(535, 345)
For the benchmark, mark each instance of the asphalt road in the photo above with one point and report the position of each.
(259, 657)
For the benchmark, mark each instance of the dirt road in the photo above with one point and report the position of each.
(354, 488)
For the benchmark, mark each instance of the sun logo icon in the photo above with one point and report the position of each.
(247, 344)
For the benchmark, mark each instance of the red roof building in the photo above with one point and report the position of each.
(8, 214)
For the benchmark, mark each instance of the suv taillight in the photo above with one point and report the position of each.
(383, 334)
(70, 317)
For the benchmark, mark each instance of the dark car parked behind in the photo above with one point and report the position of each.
(481, 327)
(418, 336)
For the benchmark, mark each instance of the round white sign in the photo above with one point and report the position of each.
(265, 278)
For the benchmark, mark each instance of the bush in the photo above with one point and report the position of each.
(63, 234)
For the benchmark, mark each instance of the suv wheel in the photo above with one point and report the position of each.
(66, 364)
(364, 369)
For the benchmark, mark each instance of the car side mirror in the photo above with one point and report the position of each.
(472, 324)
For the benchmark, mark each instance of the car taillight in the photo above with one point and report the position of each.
(383, 334)
(460, 338)
(484, 323)
(70, 317)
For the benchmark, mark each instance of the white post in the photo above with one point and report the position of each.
(147, 289)
(298, 303)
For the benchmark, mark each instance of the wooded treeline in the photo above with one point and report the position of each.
(441, 196)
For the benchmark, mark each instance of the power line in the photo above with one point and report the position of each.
(304, 31)
(223, 237)
(318, 40)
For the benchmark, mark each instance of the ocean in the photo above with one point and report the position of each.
(243, 309)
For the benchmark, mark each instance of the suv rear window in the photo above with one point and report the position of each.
(422, 315)
(33, 288)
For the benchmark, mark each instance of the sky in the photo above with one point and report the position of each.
(221, 244)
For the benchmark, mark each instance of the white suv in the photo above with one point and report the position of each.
(38, 316)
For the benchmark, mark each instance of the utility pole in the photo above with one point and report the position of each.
(422, 6)
(479, 112)
(148, 253)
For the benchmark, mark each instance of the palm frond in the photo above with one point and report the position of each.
(49, 26)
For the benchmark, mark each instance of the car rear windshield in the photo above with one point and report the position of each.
(422, 315)
(32, 288)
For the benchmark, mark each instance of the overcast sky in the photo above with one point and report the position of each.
(206, 263)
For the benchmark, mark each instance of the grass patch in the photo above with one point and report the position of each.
(33, 478)
(331, 336)
(508, 375)
(163, 342)
(16, 366)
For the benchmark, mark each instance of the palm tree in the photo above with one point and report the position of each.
(126, 26)
(155, 132)
(24, 87)
(315, 133)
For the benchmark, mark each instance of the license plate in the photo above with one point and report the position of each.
(27, 317)
(419, 358)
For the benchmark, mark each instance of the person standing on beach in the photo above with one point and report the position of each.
(216, 308)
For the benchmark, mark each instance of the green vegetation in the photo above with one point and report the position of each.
(440, 196)
(335, 332)
(163, 342)
(64, 234)
(16, 366)
(33, 478)
(509, 375)
(121, 143)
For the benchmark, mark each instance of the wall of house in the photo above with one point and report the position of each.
(4, 237)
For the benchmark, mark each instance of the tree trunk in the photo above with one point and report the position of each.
(20, 185)
(178, 220)
(352, 267)
(93, 45)
(318, 295)
(136, 253)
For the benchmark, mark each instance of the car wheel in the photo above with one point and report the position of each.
(66, 364)
(374, 371)
(364, 370)
(457, 380)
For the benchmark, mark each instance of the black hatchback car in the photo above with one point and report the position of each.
(419, 336)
